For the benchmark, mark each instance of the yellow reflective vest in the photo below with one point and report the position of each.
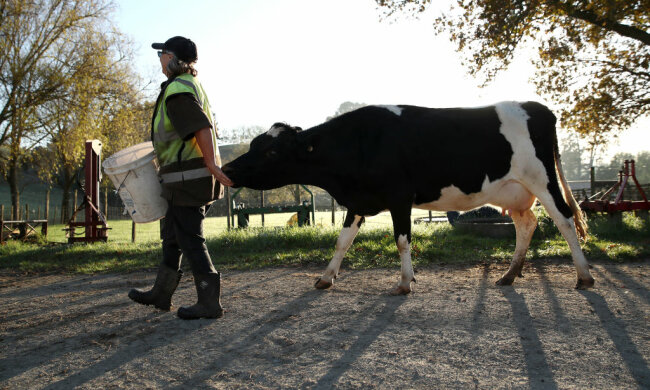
(186, 181)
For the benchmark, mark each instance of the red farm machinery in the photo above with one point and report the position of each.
(602, 201)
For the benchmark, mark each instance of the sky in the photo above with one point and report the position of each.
(296, 61)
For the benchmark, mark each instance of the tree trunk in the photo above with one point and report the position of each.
(296, 194)
(65, 202)
(12, 178)
(66, 185)
(47, 204)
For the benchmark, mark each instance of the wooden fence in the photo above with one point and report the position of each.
(112, 206)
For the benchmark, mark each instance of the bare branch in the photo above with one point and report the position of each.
(605, 23)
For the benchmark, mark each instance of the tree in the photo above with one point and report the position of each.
(40, 41)
(346, 107)
(107, 108)
(610, 170)
(243, 134)
(572, 158)
(593, 55)
(642, 162)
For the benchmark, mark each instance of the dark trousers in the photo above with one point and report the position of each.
(182, 233)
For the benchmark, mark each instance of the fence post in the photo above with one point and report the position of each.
(106, 203)
(262, 205)
(22, 227)
(2, 222)
(592, 180)
(47, 205)
(74, 206)
(333, 212)
(229, 206)
(132, 231)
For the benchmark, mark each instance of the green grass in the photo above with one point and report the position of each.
(120, 231)
(278, 245)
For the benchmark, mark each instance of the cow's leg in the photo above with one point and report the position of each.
(402, 231)
(525, 224)
(350, 229)
(566, 226)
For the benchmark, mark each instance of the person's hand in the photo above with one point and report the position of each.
(221, 177)
(204, 140)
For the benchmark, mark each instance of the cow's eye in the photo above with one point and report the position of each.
(271, 153)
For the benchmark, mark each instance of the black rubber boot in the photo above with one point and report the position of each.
(208, 290)
(161, 293)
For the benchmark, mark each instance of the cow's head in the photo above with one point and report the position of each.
(270, 162)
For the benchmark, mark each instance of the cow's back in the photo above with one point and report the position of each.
(388, 150)
(459, 147)
(426, 149)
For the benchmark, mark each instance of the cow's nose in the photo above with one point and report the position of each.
(226, 169)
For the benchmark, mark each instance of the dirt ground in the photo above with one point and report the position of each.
(457, 330)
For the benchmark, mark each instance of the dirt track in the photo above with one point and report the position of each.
(458, 330)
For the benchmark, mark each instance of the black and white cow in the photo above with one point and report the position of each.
(379, 158)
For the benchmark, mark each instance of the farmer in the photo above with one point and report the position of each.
(185, 141)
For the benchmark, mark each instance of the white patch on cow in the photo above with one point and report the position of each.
(505, 193)
(513, 196)
(346, 237)
(524, 164)
(275, 131)
(453, 199)
(404, 249)
(394, 109)
(513, 191)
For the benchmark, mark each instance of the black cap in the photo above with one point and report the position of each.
(183, 48)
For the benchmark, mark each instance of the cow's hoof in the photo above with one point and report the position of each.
(400, 290)
(584, 284)
(505, 281)
(322, 285)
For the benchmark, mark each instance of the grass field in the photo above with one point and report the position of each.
(121, 230)
(279, 245)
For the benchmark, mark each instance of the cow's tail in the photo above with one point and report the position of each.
(579, 218)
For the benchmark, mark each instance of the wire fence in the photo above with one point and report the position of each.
(113, 209)
(123, 230)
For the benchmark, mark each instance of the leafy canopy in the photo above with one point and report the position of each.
(593, 56)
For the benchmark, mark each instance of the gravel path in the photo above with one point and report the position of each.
(457, 330)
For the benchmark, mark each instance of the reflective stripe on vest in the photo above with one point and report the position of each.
(166, 136)
(175, 177)
(167, 142)
(196, 93)
(161, 135)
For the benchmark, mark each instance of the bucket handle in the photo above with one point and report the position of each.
(123, 180)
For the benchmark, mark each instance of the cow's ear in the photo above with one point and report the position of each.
(308, 146)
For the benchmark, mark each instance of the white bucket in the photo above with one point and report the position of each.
(134, 172)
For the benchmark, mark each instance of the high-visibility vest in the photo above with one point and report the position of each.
(185, 178)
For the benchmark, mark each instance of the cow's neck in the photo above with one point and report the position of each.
(322, 177)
